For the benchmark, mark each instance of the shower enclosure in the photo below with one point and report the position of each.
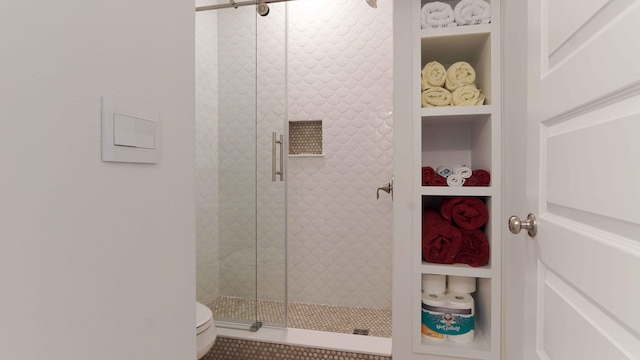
(286, 224)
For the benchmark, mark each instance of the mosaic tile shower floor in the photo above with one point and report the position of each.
(234, 349)
(339, 319)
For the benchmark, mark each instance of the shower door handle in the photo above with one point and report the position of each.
(274, 171)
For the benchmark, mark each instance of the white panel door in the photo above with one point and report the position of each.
(582, 285)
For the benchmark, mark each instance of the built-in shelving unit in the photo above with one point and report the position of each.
(469, 135)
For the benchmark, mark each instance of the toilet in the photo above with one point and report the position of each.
(205, 329)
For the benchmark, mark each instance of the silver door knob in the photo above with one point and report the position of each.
(530, 224)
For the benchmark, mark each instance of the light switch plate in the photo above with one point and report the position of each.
(137, 139)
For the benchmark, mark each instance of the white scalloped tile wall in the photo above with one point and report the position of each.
(340, 71)
(206, 156)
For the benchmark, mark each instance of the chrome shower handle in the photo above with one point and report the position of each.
(386, 188)
(274, 142)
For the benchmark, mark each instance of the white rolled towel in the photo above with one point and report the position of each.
(458, 74)
(455, 180)
(433, 74)
(467, 95)
(436, 96)
(472, 12)
(437, 14)
(463, 171)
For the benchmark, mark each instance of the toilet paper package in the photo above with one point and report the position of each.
(461, 318)
(431, 305)
(434, 284)
(461, 284)
(451, 316)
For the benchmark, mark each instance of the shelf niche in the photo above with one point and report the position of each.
(482, 327)
(472, 48)
(433, 202)
(457, 140)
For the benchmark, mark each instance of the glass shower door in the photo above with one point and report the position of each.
(271, 85)
(251, 205)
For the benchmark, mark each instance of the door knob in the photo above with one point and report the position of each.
(530, 224)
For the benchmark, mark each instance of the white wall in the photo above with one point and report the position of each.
(340, 63)
(96, 259)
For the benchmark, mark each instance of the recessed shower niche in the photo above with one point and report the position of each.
(305, 138)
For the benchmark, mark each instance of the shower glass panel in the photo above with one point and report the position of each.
(251, 206)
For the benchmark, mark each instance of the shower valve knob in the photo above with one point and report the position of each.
(388, 188)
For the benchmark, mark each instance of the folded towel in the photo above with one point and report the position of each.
(455, 180)
(472, 12)
(463, 171)
(427, 175)
(466, 212)
(484, 177)
(443, 171)
(439, 181)
(471, 181)
(430, 178)
(458, 74)
(436, 96)
(475, 248)
(467, 95)
(433, 75)
(478, 177)
(437, 14)
(441, 241)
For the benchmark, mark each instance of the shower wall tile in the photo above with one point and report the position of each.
(206, 156)
(340, 70)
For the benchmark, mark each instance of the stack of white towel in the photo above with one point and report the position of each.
(438, 14)
(454, 86)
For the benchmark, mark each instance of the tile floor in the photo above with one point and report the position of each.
(236, 349)
(340, 319)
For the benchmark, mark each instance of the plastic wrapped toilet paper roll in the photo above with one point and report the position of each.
(461, 284)
(432, 307)
(463, 308)
(434, 284)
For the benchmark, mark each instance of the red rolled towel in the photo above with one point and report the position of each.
(475, 248)
(471, 181)
(483, 176)
(441, 241)
(466, 212)
(427, 175)
(439, 180)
